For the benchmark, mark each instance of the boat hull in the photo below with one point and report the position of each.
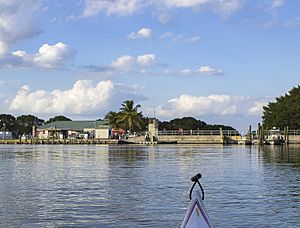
(196, 216)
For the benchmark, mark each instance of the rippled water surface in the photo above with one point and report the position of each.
(135, 186)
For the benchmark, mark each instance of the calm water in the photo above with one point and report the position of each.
(126, 186)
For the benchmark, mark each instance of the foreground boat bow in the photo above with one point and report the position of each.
(196, 216)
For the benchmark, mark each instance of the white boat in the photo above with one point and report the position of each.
(275, 137)
(196, 216)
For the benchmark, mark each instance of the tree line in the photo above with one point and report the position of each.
(284, 112)
(22, 125)
(128, 118)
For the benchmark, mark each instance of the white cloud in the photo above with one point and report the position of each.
(50, 56)
(142, 33)
(119, 7)
(226, 7)
(17, 22)
(128, 7)
(257, 108)
(124, 62)
(146, 60)
(180, 38)
(192, 39)
(82, 98)
(223, 7)
(184, 3)
(128, 62)
(186, 71)
(201, 105)
(209, 70)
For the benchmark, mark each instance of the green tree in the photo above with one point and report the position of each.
(58, 118)
(113, 119)
(129, 115)
(190, 123)
(285, 111)
(26, 122)
(8, 123)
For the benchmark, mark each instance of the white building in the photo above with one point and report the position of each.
(74, 130)
(5, 135)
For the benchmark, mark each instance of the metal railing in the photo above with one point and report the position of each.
(198, 132)
(294, 132)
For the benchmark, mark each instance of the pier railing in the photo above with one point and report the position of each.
(294, 132)
(199, 132)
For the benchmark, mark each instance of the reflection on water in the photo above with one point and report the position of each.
(130, 186)
(282, 154)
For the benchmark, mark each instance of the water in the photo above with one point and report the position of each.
(137, 186)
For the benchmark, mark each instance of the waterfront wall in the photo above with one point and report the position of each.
(294, 139)
(192, 139)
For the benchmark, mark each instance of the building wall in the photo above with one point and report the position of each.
(103, 133)
(6, 135)
(42, 134)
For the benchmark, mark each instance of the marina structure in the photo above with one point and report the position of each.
(73, 130)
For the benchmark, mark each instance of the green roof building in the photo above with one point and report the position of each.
(74, 129)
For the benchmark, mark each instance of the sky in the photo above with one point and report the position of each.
(219, 61)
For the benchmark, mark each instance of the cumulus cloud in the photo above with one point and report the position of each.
(142, 33)
(202, 70)
(130, 63)
(201, 105)
(48, 56)
(146, 60)
(82, 98)
(257, 108)
(119, 7)
(17, 22)
(209, 70)
(124, 62)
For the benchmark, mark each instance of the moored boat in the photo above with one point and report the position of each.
(196, 216)
(274, 137)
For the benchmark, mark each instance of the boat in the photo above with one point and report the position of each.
(196, 216)
(274, 137)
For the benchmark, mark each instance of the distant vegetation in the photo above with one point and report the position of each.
(128, 117)
(285, 111)
(22, 125)
(19, 125)
(58, 118)
(190, 123)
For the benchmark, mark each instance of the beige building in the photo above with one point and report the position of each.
(73, 130)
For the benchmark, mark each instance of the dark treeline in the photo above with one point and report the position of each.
(190, 123)
(22, 125)
(284, 112)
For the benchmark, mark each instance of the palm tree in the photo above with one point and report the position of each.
(113, 119)
(130, 116)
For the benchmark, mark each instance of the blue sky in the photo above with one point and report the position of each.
(216, 60)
